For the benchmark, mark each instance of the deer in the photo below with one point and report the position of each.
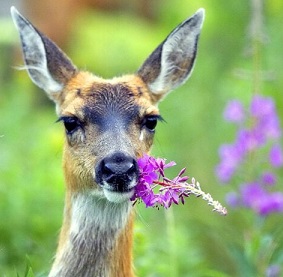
(109, 124)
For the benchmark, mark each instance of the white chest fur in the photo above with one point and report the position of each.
(95, 225)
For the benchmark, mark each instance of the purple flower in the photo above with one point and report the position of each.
(224, 172)
(261, 106)
(272, 203)
(150, 171)
(249, 140)
(155, 189)
(234, 111)
(233, 199)
(264, 111)
(269, 125)
(231, 157)
(268, 178)
(232, 154)
(254, 196)
(276, 156)
(257, 140)
(273, 271)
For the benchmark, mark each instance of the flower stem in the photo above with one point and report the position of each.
(256, 27)
(196, 190)
(171, 234)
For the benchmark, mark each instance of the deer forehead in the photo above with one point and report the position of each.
(86, 91)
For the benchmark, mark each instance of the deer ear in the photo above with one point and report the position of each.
(48, 67)
(171, 63)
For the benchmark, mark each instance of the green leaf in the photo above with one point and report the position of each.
(29, 273)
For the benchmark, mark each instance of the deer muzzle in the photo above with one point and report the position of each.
(117, 174)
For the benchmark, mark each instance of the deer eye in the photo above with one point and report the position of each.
(71, 123)
(150, 122)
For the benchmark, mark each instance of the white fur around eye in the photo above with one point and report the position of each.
(141, 135)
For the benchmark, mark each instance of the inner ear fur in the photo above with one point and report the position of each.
(48, 67)
(172, 62)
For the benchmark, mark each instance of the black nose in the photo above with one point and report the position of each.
(117, 172)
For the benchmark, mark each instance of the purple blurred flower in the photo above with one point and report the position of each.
(261, 106)
(234, 111)
(273, 203)
(232, 154)
(231, 157)
(233, 199)
(276, 156)
(273, 271)
(224, 172)
(269, 126)
(254, 196)
(268, 178)
(264, 111)
(249, 140)
(257, 135)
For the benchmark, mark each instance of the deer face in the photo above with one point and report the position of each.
(109, 123)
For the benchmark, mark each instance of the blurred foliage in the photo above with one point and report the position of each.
(188, 240)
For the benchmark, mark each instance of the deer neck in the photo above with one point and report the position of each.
(96, 238)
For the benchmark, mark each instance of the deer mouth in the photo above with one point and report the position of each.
(118, 197)
(119, 191)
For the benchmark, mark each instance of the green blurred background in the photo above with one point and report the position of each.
(187, 240)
